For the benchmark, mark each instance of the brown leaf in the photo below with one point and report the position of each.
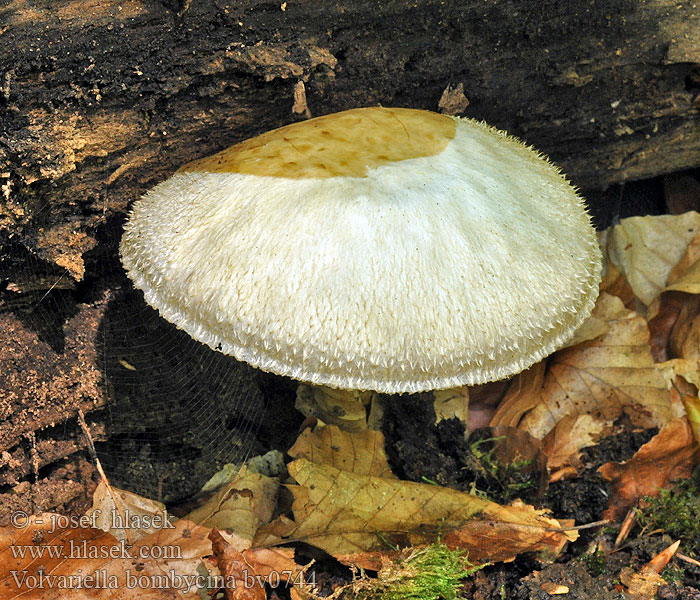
(663, 323)
(522, 396)
(348, 513)
(574, 432)
(684, 340)
(361, 452)
(669, 455)
(246, 573)
(615, 283)
(605, 377)
(161, 565)
(495, 537)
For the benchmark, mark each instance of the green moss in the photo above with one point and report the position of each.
(672, 573)
(431, 573)
(500, 482)
(595, 563)
(676, 512)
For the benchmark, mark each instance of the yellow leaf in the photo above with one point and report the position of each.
(127, 516)
(361, 452)
(347, 513)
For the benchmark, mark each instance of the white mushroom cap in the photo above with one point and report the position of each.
(394, 250)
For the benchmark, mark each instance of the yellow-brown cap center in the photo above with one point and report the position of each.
(342, 144)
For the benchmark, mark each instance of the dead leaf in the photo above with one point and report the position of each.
(127, 516)
(562, 444)
(80, 563)
(347, 513)
(669, 455)
(688, 260)
(344, 408)
(684, 340)
(246, 573)
(605, 377)
(590, 329)
(522, 396)
(641, 586)
(452, 403)
(614, 281)
(361, 452)
(646, 249)
(663, 322)
(242, 505)
(685, 377)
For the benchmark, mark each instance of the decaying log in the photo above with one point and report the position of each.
(101, 98)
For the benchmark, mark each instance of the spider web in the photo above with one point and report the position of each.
(176, 411)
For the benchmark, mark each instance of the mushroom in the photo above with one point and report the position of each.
(385, 249)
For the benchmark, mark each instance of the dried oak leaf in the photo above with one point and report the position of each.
(669, 455)
(40, 562)
(604, 377)
(347, 513)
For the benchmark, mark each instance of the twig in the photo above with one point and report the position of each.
(625, 528)
(93, 454)
(687, 559)
(577, 527)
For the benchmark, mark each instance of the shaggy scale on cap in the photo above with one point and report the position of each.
(394, 250)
